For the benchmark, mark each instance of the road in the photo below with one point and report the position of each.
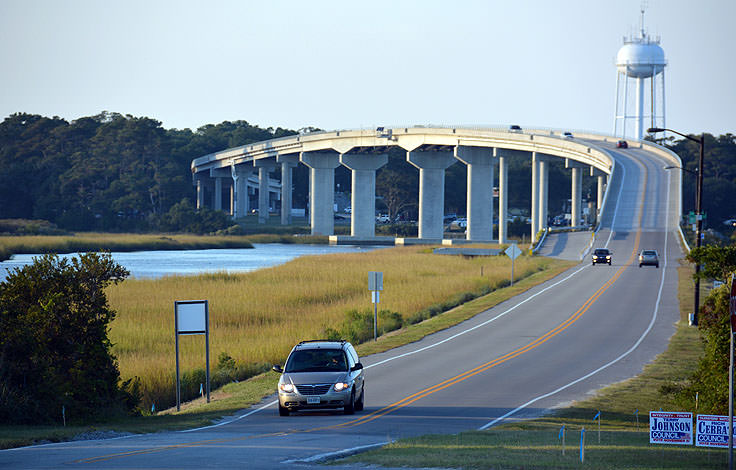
(558, 342)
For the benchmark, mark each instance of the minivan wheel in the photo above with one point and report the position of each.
(359, 405)
(283, 411)
(350, 407)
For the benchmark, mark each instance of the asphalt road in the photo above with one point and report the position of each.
(559, 342)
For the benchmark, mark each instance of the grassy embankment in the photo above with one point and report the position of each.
(258, 316)
(535, 444)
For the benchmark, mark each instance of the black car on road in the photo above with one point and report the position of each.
(601, 255)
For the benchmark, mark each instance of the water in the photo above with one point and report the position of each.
(155, 264)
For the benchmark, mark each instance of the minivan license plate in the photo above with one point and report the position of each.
(312, 400)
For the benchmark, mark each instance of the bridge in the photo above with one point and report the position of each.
(544, 348)
(431, 150)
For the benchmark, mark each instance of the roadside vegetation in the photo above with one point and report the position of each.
(310, 297)
(55, 355)
(256, 317)
(692, 366)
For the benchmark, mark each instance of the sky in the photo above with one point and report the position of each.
(351, 64)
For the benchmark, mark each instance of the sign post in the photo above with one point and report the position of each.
(191, 317)
(375, 285)
(732, 312)
(512, 252)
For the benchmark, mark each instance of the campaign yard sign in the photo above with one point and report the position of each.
(711, 431)
(670, 427)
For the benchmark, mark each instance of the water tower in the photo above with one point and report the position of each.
(639, 59)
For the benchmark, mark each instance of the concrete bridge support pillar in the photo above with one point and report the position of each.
(503, 192)
(432, 166)
(601, 180)
(535, 197)
(288, 162)
(219, 175)
(576, 191)
(232, 199)
(217, 197)
(240, 186)
(322, 190)
(479, 161)
(363, 198)
(543, 191)
(200, 192)
(264, 169)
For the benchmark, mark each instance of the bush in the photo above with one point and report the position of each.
(54, 349)
(29, 227)
(710, 380)
(358, 325)
(184, 217)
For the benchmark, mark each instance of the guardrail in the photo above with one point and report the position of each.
(541, 240)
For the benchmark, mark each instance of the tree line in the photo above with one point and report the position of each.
(719, 175)
(109, 172)
(114, 172)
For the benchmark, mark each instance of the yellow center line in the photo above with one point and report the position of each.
(429, 390)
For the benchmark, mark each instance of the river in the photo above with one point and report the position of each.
(155, 264)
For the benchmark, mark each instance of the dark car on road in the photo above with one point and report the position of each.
(601, 255)
(622, 144)
(321, 374)
(649, 258)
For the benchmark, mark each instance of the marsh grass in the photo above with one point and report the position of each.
(256, 317)
(90, 241)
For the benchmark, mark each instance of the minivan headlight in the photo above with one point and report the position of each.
(340, 386)
(286, 387)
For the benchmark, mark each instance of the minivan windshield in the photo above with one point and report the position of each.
(317, 360)
(601, 251)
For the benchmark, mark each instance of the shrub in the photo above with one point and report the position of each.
(358, 325)
(184, 217)
(54, 349)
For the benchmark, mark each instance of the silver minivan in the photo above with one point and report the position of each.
(321, 374)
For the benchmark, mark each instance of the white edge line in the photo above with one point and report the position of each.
(222, 423)
(337, 454)
(605, 366)
(70, 442)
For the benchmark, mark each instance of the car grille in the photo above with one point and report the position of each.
(319, 389)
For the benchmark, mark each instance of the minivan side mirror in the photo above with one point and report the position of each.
(357, 366)
(277, 368)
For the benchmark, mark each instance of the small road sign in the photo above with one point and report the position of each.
(513, 251)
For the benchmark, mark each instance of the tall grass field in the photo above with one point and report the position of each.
(257, 317)
(90, 241)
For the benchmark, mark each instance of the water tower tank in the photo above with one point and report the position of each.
(640, 58)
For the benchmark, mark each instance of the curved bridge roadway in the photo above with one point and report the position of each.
(591, 326)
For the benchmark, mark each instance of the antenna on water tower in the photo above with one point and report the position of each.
(639, 59)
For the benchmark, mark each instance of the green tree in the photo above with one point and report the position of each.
(395, 190)
(717, 262)
(710, 380)
(183, 217)
(54, 349)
